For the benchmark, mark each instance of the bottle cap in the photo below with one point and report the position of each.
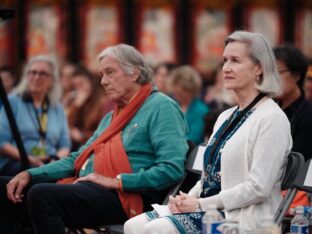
(299, 210)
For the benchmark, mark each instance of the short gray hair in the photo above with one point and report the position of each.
(129, 59)
(55, 92)
(260, 52)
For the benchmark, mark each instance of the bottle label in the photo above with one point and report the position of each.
(213, 228)
(302, 229)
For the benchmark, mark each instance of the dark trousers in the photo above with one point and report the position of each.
(52, 207)
(10, 168)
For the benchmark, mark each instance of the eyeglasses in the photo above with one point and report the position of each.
(41, 74)
(283, 71)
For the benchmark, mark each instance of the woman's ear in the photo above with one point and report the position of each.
(259, 70)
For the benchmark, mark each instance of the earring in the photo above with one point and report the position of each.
(258, 79)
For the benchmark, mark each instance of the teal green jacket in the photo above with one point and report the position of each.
(154, 140)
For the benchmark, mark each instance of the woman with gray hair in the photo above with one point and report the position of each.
(39, 116)
(116, 174)
(185, 84)
(245, 156)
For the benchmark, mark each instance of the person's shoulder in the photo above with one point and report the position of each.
(303, 115)
(105, 120)
(307, 106)
(201, 105)
(57, 107)
(270, 109)
(159, 98)
(14, 98)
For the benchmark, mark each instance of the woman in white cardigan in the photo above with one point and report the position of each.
(245, 157)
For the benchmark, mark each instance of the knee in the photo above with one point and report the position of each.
(159, 226)
(135, 225)
(36, 195)
(129, 227)
(152, 228)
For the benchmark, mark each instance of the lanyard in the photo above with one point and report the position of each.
(42, 119)
(231, 123)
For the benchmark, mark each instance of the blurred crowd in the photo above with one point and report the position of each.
(201, 97)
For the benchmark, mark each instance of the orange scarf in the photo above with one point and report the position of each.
(110, 158)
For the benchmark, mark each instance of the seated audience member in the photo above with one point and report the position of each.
(242, 171)
(292, 66)
(185, 85)
(161, 74)
(308, 84)
(66, 76)
(8, 78)
(217, 97)
(137, 151)
(39, 116)
(86, 110)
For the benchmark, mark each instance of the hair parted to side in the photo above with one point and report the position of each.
(187, 78)
(129, 59)
(55, 92)
(260, 52)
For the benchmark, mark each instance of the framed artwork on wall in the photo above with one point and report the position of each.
(101, 25)
(156, 30)
(5, 43)
(210, 25)
(265, 17)
(303, 30)
(8, 36)
(45, 31)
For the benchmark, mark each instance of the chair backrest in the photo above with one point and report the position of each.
(304, 180)
(189, 169)
(294, 166)
(295, 161)
(195, 157)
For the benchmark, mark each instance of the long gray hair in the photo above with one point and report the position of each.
(129, 59)
(261, 53)
(55, 92)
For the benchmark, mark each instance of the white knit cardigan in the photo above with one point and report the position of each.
(252, 164)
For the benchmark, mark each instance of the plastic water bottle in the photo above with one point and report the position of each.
(211, 220)
(300, 223)
(307, 212)
(268, 226)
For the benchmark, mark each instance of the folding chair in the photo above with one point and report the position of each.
(192, 167)
(295, 164)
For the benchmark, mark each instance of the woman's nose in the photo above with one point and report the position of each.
(226, 67)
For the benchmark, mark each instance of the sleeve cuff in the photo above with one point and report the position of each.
(205, 202)
(35, 174)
